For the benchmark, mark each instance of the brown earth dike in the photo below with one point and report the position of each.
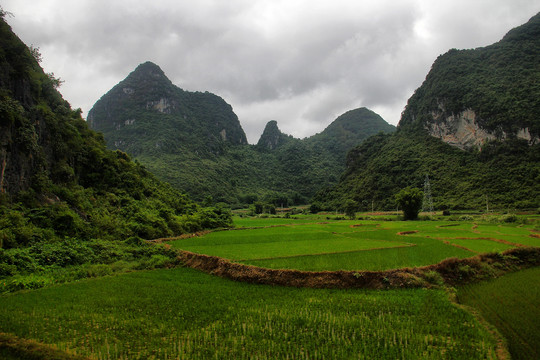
(451, 271)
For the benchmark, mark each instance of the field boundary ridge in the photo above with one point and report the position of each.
(451, 271)
(33, 350)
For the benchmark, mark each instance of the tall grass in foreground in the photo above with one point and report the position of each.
(512, 304)
(182, 313)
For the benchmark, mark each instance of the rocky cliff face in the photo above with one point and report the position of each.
(26, 152)
(463, 130)
(472, 96)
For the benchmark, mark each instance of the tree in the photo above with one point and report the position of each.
(350, 208)
(315, 208)
(410, 200)
(258, 207)
(36, 53)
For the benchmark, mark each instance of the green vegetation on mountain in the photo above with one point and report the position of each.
(65, 199)
(195, 142)
(272, 137)
(499, 83)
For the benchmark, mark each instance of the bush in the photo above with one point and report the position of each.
(509, 218)
(433, 277)
(98, 270)
(62, 253)
(156, 261)
(315, 208)
(23, 282)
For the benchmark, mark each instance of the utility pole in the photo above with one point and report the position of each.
(427, 203)
(487, 204)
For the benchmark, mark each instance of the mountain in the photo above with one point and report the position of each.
(472, 126)
(195, 142)
(272, 137)
(147, 100)
(473, 96)
(58, 182)
(348, 130)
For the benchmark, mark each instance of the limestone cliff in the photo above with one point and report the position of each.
(463, 130)
(30, 110)
(472, 96)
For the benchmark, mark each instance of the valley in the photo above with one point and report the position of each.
(200, 315)
(153, 230)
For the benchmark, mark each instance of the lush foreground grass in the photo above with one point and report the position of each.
(355, 245)
(182, 313)
(512, 304)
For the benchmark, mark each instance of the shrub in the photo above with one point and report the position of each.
(433, 277)
(23, 282)
(98, 270)
(509, 218)
(315, 208)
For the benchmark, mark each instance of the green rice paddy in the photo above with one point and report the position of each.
(512, 304)
(184, 314)
(355, 245)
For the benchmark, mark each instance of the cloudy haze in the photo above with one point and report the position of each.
(300, 62)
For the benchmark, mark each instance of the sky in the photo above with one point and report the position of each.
(299, 62)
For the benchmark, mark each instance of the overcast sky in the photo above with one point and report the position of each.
(300, 62)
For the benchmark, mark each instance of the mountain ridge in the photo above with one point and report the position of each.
(147, 92)
(464, 128)
(186, 150)
(484, 94)
(58, 182)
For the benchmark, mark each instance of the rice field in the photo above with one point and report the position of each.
(355, 245)
(184, 314)
(512, 304)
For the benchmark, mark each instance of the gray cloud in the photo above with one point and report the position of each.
(302, 63)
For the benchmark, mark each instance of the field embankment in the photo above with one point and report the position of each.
(451, 271)
(15, 348)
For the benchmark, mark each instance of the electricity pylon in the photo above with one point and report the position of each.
(427, 203)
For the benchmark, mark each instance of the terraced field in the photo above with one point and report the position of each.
(512, 304)
(356, 245)
(182, 313)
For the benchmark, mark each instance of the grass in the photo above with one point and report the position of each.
(423, 253)
(512, 304)
(285, 241)
(308, 243)
(182, 313)
(481, 245)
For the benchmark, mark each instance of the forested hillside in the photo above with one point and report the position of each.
(195, 142)
(472, 126)
(65, 199)
(498, 82)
